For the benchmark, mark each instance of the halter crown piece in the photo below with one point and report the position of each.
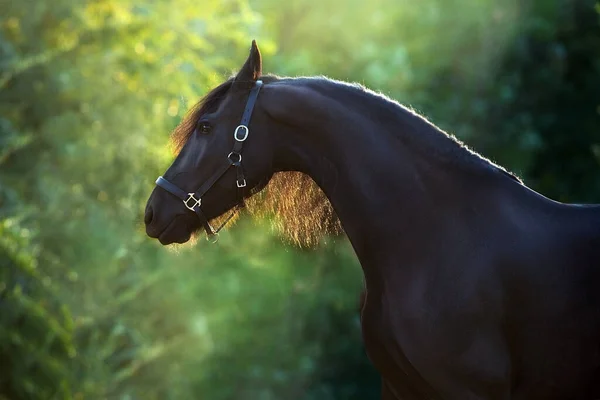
(193, 201)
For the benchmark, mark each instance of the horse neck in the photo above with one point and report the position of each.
(393, 180)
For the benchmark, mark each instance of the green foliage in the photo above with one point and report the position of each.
(36, 338)
(91, 308)
(539, 114)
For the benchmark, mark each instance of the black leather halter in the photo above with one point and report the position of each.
(193, 201)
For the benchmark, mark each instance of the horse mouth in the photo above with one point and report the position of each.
(175, 232)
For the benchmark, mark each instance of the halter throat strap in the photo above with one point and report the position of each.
(193, 201)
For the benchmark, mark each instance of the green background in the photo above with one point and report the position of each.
(90, 308)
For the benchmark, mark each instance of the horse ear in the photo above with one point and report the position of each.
(252, 69)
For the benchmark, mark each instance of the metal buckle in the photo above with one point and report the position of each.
(235, 134)
(241, 184)
(197, 202)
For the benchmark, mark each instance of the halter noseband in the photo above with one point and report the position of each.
(193, 201)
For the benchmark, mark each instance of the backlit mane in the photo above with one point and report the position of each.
(209, 103)
(298, 208)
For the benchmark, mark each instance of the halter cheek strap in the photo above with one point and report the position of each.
(193, 201)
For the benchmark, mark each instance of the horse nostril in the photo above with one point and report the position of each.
(148, 216)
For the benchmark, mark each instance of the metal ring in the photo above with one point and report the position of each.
(235, 134)
(234, 162)
(214, 238)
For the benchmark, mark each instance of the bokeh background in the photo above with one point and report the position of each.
(90, 308)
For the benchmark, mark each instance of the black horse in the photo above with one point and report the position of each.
(477, 286)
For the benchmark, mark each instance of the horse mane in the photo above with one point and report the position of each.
(298, 208)
(428, 137)
(209, 103)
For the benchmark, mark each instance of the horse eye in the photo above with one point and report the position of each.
(204, 127)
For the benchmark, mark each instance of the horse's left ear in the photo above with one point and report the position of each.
(252, 69)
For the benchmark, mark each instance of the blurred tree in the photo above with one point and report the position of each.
(554, 75)
(538, 114)
(36, 339)
(88, 93)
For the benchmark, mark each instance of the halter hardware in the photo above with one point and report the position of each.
(197, 202)
(239, 160)
(195, 199)
(243, 128)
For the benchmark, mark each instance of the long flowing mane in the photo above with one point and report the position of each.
(299, 210)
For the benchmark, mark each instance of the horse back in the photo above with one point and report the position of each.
(553, 306)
